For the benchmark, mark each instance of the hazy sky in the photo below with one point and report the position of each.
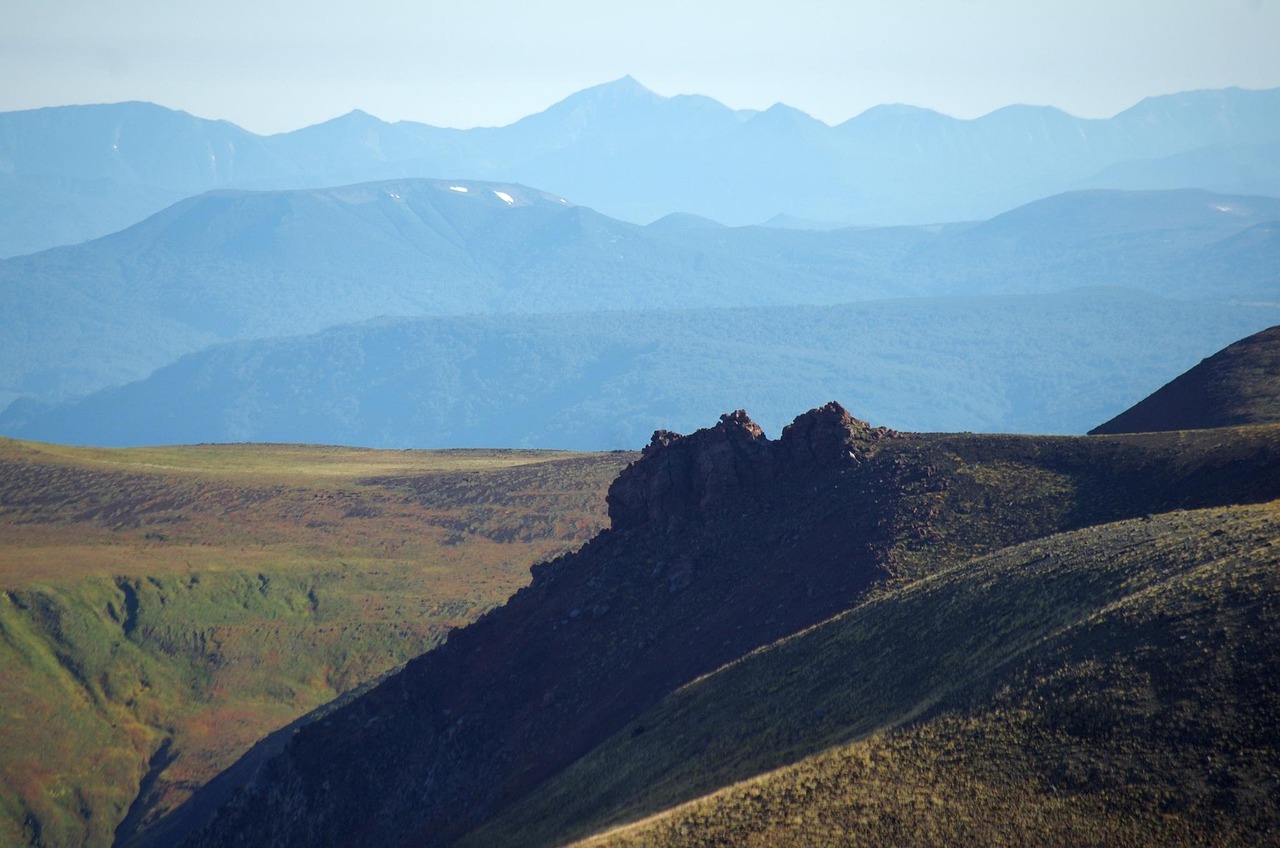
(269, 66)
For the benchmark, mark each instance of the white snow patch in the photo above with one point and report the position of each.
(1221, 208)
(505, 198)
(394, 195)
(562, 200)
(462, 189)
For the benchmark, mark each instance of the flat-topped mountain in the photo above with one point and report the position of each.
(1237, 385)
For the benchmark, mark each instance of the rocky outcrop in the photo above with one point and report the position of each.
(679, 478)
(723, 541)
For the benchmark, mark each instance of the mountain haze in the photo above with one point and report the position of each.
(1032, 363)
(635, 155)
(232, 265)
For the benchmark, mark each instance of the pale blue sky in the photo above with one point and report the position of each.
(268, 67)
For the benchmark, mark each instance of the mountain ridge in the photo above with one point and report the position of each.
(685, 517)
(599, 380)
(675, 154)
(233, 264)
(1037, 608)
(1239, 385)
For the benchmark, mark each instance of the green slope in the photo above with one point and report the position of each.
(164, 609)
(1114, 685)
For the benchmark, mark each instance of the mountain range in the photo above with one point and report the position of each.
(234, 265)
(72, 173)
(775, 630)
(1052, 363)
(847, 632)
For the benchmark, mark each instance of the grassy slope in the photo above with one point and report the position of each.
(1113, 685)
(173, 605)
(774, 557)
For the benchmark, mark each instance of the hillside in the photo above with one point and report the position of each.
(638, 156)
(165, 609)
(1050, 363)
(724, 542)
(1237, 385)
(237, 265)
(1135, 706)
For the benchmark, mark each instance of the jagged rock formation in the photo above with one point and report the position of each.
(679, 477)
(1239, 384)
(722, 541)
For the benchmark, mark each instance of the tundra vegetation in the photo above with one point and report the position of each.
(164, 609)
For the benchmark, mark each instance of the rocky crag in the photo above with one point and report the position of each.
(721, 542)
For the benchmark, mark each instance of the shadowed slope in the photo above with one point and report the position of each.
(722, 542)
(1115, 685)
(1237, 385)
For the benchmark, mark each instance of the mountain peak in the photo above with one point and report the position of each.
(623, 88)
(782, 113)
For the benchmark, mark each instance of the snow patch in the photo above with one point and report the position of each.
(505, 198)
(462, 189)
(1222, 208)
(393, 195)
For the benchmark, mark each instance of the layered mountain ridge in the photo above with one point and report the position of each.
(261, 265)
(723, 542)
(638, 156)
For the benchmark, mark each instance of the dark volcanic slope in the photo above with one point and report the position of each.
(1238, 385)
(722, 541)
(1118, 687)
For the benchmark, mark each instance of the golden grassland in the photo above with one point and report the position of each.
(165, 608)
(1117, 685)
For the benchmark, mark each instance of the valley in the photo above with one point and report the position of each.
(173, 606)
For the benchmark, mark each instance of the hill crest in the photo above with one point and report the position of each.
(1238, 385)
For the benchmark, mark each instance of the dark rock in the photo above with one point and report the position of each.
(679, 478)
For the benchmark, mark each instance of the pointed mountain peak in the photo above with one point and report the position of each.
(627, 84)
(354, 118)
(782, 115)
(623, 88)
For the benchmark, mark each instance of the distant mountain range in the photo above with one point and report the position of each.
(1054, 363)
(237, 265)
(68, 174)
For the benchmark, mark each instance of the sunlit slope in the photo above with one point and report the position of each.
(166, 608)
(1113, 685)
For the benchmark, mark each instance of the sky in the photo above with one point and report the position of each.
(268, 67)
